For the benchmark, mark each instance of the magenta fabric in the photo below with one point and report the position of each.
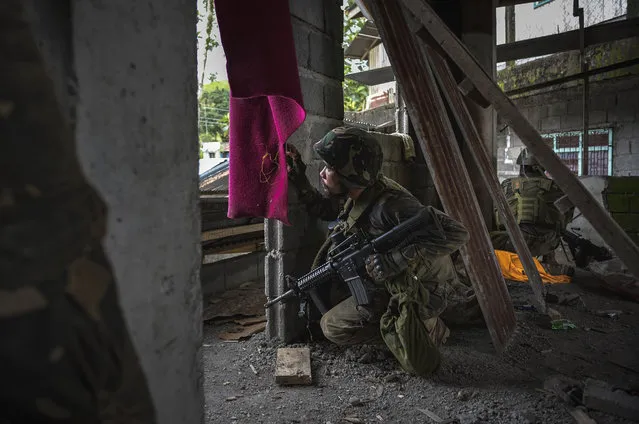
(266, 104)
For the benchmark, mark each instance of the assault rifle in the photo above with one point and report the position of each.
(584, 250)
(346, 260)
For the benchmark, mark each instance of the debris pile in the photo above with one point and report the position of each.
(243, 307)
(594, 395)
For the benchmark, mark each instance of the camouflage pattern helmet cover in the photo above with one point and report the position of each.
(526, 158)
(354, 153)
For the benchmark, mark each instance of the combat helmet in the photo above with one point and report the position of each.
(526, 158)
(529, 166)
(353, 153)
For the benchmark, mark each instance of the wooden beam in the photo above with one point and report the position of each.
(231, 231)
(569, 40)
(437, 140)
(488, 174)
(591, 209)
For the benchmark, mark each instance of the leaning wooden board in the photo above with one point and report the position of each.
(482, 160)
(591, 209)
(441, 150)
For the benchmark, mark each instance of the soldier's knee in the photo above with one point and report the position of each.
(334, 330)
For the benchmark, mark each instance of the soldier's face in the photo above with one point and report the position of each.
(331, 182)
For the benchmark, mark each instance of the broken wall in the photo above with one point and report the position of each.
(620, 197)
(317, 29)
(614, 107)
(136, 130)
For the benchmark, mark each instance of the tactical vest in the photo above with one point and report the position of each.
(527, 199)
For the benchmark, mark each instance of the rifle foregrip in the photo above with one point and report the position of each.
(316, 277)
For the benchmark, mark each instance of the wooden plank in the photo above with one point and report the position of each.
(437, 140)
(243, 247)
(591, 209)
(565, 41)
(231, 231)
(488, 174)
(293, 366)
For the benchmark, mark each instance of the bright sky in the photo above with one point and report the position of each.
(216, 62)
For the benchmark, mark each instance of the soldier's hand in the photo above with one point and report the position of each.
(382, 267)
(294, 164)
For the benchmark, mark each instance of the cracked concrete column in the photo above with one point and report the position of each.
(478, 33)
(318, 29)
(137, 139)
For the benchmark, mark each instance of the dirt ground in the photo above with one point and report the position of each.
(364, 384)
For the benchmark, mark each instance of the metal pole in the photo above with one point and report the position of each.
(398, 108)
(401, 113)
(579, 11)
(511, 32)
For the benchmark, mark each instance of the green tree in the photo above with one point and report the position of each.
(354, 92)
(213, 102)
(213, 122)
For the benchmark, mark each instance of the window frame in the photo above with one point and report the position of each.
(538, 4)
(580, 149)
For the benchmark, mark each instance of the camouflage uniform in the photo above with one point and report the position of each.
(65, 352)
(531, 197)
(418, 293)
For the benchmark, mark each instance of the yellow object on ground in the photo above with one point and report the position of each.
(512, 269)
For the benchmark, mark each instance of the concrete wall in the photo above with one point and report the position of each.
(317, 28)
(556, 16)
(614, 104)
(230, 271)
(137, 138)
(579, 224)
(620, 197)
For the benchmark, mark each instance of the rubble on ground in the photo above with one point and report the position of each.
(474, 385)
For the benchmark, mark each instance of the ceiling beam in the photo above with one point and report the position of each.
(574, 77)
(373, 76)
(569, 40)
(502, 3)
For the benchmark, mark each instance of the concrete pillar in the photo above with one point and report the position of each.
(318, 29)
(478, 32)
(137, 139)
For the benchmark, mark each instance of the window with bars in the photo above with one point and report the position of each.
(569, 147)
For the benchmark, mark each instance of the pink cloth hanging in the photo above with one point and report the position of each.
(266, 104)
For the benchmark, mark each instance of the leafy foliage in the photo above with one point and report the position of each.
(354, 92)
(213, 105)
(210, 40)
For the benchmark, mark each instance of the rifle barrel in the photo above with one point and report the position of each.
(284, 296)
